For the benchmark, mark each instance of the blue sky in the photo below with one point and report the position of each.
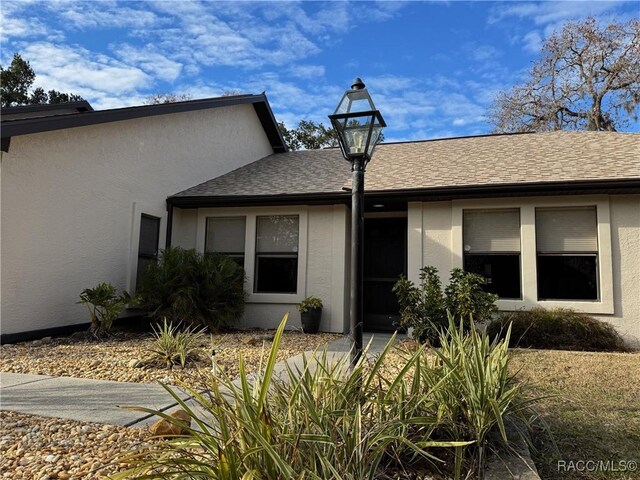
(432, 68)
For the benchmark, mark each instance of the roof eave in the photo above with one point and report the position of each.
(578, 187)
(11, 128)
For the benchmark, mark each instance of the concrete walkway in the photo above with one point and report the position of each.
(98, 400)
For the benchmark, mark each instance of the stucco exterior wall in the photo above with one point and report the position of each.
(440, 245)
(322, 260)
(71, 202)
(625, 250)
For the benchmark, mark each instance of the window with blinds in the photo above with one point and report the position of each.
(226, 235)
(276, 266)
(491, 240)
(567, 253)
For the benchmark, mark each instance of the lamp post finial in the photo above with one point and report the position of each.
(358, 84)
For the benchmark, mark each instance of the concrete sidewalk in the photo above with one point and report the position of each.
(99, 400)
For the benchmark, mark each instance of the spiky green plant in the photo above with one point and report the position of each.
(325, 420)
(173, 345)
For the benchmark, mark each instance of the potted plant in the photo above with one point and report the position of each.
(310, 313)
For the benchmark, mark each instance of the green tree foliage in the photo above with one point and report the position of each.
(586, 78)
(104, 306)
(308, 135)
(193, 288)
(16, 81)
(425, 307)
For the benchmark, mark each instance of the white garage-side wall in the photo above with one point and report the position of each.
(322, 260)
(435, 238)
(72, 199)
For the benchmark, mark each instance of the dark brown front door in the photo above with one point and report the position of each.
(385, 259)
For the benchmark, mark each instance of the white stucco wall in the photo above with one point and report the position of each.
(322, 260)
(71, 200)
(440, 245)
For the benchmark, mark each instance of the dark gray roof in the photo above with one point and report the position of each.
(490, 160)
(304, 171)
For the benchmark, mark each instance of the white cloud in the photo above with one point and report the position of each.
(307, 71)
(149, 60)
(542, 13)
(532, 41)
(77, 70)
(103, 15)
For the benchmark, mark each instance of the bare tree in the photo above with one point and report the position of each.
(587, 78)
(158, 98)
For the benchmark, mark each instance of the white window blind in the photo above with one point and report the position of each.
(571, 229)
(277, 234)
(225, 234)
(491, 231)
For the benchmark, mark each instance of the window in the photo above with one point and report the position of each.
(276, 268)
(225, 235)
(491, 240)
(567, 253)
(148, 243)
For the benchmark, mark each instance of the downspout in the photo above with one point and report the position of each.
(169, 225)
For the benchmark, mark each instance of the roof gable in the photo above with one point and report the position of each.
(25, 126)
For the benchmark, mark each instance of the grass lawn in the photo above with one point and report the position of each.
(592, 409)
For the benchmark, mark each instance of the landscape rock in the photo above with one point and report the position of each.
(167, 428)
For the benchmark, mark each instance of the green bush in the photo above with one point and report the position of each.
(193, 288)
(309, 303)
(559, 329)
(104, 306)
(327, 421)
(174, 346)
(424, 308)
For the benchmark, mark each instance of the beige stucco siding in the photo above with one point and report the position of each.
(625, 249)
(71, 202)
(322, 257)
(440, 245)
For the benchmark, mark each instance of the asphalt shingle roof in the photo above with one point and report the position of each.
(470, 161)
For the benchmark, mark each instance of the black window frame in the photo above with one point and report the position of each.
(272, 255)
(239, 258)
(518, 254)
(146, 257)
(569, 254)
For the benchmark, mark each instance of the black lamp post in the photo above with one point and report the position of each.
(358, 125)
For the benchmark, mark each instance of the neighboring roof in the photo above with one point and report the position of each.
(14, 127)
(44, 110)
(488, 163)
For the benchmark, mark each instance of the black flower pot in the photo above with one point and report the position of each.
(311, 320)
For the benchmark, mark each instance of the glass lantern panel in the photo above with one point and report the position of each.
(355, 101)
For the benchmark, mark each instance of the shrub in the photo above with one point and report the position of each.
(309, 303)
(560, 329)
(104, 306)
(173, 346)
(192, 288)
(424, 308)
(326, 420)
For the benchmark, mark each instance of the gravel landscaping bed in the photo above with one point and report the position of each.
(120, 357)
(33, 447)
(39, 448)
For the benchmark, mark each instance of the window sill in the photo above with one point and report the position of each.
(586, 306)
(289, 298)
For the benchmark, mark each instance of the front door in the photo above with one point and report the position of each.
(385, 259)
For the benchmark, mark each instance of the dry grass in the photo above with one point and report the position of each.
(592, 407)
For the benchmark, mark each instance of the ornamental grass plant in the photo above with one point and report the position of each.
(405, 414)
